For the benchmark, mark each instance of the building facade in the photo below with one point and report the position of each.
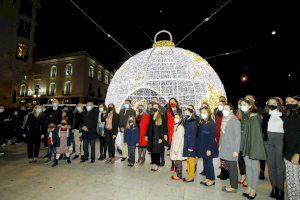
(17, 25)
(71, 78)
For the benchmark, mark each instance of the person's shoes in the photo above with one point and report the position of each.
(83, 160)
(123, 159)
(162, 164)
(172, 169)
(274, 192)
(30, 161)
(229, 189)
(209, 183)
(68, 160)
(142, 162)
(92, 161)
(55, 163)
(251, 197)
(262, 176)
(100, 158)
(34, 160)
(188, 180)
(224, 175)
(176, 178)
(61, 157)
(48, 160)
(280, 195)
(108, 161)
(202, 173)
(245, 194)
(75, 157)
(130, 164)
(46, 156)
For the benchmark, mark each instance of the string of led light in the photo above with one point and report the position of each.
(229, 53)
(205, 20)
(108, 35)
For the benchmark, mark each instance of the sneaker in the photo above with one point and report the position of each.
(75, 157)
(123, 159)
(48, 160)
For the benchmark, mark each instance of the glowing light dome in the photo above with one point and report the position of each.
(165, 71)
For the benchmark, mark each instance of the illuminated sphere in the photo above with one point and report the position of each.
(165, 71)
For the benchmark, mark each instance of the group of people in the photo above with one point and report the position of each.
(242, 138)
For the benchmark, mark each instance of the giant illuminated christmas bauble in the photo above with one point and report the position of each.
(165, 71)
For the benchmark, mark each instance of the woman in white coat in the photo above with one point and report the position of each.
(176, 152)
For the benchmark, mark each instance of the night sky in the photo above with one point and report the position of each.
(241, 24)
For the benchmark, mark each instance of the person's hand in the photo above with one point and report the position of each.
(114, 136)
(295, 159)
(190, 150)
(165, 137)
(146, 138)
(137, 144)
(73, 131)
(208, 153)
(122, 130)
(42, 136)
(235, 154)
(24, 135)
(85, 128)
(80, 138)
(159, 141)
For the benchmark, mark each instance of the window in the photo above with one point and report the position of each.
(99, 95)
(53, 72)
(24, 29)
(22, 50)
(68, 88)
(23, 90)
(52, 89)
(99, 75)
(91, 72)
(69, 70)
(90, 87)
(106, 79)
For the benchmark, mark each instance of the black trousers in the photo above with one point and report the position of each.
(242, 165)
(162, 156)
(110, 143)
(92, 142)
(155, 158)
(103, 145)
(33, 147)
(262, 166)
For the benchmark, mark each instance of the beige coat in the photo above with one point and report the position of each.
(177, 143)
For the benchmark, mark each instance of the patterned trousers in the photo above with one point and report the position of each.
(293, 180)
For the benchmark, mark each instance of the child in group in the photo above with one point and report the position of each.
(131, 138)
(51, 148)
(177, 147)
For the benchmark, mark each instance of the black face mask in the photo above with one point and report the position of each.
(291, 106)
(140, 110)
(272, 107)
(155, 109)
(63, 124)
(110, 109)
(130, 121)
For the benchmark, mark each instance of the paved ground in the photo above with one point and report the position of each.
(21, 180)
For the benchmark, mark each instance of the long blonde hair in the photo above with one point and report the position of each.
(158, 119)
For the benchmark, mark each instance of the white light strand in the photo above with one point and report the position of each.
(108, 35)
(231, 52)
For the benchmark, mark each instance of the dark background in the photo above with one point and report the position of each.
(241, 24)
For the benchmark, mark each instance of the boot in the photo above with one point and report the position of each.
(55, 163)
(262, 175)
(280, 195)
(224, 174)
(272, 194)
(68, 160)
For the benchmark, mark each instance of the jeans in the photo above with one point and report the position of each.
(103, 145)
(33, 147)
(110, 141)
(86, 142)
(155, 159)
(209, 168)
(131, 154)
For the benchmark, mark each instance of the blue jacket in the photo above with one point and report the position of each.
(207, 140)
(131, 136)
(190, 128)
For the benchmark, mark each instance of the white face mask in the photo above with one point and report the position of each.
(38, 110)
(220, 107)
(204, 115)
(79, 109)
(226, 113)
(55, 106)
(89, 108)
(176, 120)
(244, 108)
(126, 106)
(101, 109)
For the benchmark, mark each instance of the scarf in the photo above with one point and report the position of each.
(108, 124)
(225, 121)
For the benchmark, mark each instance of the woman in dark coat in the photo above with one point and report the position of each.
(155, 136)
(34, 125)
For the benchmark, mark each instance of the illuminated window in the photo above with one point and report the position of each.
(91, 72)
(69, 70)
(22, 50)
(68, 88)
(99, 75)
(22, 90)
(106, 79)
(52, 89)
(53, 72)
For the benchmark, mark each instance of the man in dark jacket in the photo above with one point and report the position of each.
(125, 113)
(89, 131)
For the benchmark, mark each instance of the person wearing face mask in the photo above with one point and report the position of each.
(291, 147)
(207, 146)
(89, 132)
(34, 135)
(173, 109)
(111, 132)
(155, 135)
(230, 146)
(176, 150)
(125, 113)
(273, 132)
(131, 138)
(142, 124)
(76, 129)
(252, 145)
(62, 139)
(100, 131)
(191, 128)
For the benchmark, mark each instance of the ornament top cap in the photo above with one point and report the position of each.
(163, 43)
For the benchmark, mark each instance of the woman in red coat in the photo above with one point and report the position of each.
(142, 123)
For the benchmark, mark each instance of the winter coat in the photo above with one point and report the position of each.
(131, 136)
(207, 140)
(34, 126)
(124, 115)
(154, 133)
(252, 144)
(264, 124)
(90, 120)
(230, 140)
(56, 137)
(190, 133)
(176, 151)
(54, 116)
(143, 125)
